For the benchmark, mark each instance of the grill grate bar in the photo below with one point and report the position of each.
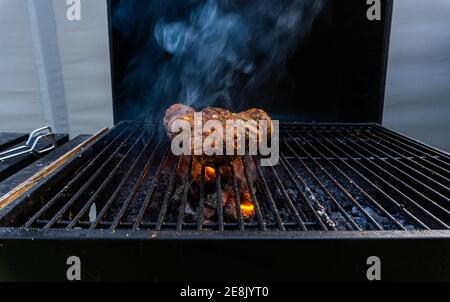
(353, 183)
(322, 187)
(255, 202)
(269, 196)
(285, 164)
(201, 199)
(126, 177)
(289, 203)
(352, 158)
(371, 184)
(411, 162)
(443, 174)
(105, 183)
(402, 184)
(163, 210)
(440, 156)
(86, 185)
(237, 199)
(382, 180)
(74, 181)
(173, 225)
(411, 170)
(219, 198)
(185, 196)
(135, 189)
(140, 216)
(411, 178)
(341, 188)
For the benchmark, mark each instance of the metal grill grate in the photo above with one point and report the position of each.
(330, 178)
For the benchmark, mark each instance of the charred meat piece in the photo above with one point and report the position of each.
(251, 117)
(175, 112)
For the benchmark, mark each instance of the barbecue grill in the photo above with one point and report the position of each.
(345, 189)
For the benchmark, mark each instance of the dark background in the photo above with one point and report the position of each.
(337, 75)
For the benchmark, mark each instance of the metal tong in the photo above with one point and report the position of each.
(31, 146)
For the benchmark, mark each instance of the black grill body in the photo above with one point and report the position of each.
(346, 188)
(340, 194)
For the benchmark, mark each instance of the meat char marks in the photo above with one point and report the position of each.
(252, 117)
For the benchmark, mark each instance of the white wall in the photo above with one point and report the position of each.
(83, 49)
(20, 104)
(418, 84)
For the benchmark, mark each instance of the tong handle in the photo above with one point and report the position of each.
(46, 130)
(32, 143)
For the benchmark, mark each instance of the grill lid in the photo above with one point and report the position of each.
(336, 73)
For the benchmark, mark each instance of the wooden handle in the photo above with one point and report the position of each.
(33, 180)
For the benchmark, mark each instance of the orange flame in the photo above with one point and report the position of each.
(247, 207)
(210, 174)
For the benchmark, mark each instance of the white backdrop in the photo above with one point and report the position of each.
(417, 94)
(21, 107)
(418, 84)
(82, 57)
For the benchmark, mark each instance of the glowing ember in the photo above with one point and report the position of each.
(227, 187)
(247, 207)
(210, 174)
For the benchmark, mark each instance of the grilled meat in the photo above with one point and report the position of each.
(252, 117)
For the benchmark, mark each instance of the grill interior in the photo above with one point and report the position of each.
(330, 178)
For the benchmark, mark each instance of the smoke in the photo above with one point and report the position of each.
(209, 53)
